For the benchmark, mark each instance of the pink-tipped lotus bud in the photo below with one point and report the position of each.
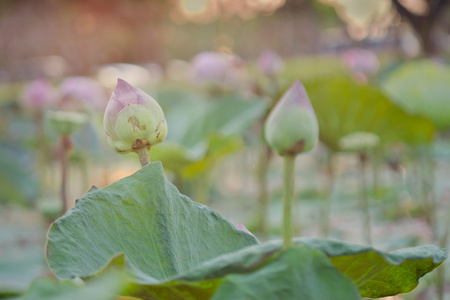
(361, 61)
(39, 94)
(81, 93)
(133, 119)
(291, 127)
(218, 69)
(269, 63)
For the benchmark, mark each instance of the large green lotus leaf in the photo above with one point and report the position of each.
(162, 232)
(256, 273)
(421, 88)
(295, 273)
(379, 274)
(343, 107)
(103, 288)
(376, 274)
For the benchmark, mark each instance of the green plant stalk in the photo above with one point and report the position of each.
(66, 146)
(84, 161)
(41, 153)
(144, 157)
(429, 188)
(288, 186)
(263, 164)
(426, 174)
(365, 200)
(375, 159)
(327, 183)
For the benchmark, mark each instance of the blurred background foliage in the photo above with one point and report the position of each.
(375, 68)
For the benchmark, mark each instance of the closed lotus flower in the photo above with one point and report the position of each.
(361, 61)
(269, 63)
(39, 94)
(291, 127)
(81, 93)
(218, 69)
(133, 120)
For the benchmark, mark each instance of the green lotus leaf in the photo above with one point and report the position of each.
(344, 107)
(162, 232)
(203, 132)
(378, 274)
(298, 273)
(421, 88)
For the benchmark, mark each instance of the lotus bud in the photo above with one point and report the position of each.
(291, 127)
(39, 94)
(269, 63)
(81, 93)
(133, 119)
(218, 69)
(361, 61)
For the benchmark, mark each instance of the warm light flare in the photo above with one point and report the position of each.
(418, 7)
(364, 18)
(203, 11)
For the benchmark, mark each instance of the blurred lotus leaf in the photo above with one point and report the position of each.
(421, 88)
(343, 107)
(201, 132)
(65, 122)
(309, 68)
(359, 141)
(103, 288)
(17, 184)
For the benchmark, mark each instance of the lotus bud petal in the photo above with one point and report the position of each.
(291, 127)
(39, 94)
(133, 119)
(269, 63)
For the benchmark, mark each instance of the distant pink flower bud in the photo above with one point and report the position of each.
(79, 93)
(269, 63)
(220, 69)
(291, 127)
(361, 61)
(133, 119)
(39, 94)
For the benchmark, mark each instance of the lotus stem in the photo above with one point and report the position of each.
(429, 188)
(328, 183)
(263, 164)
(288, 178)
(365, 200)
(41, 153)
(66, 146)
(144, 157)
